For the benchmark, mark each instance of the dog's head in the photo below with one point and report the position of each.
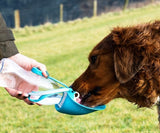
(124, 64)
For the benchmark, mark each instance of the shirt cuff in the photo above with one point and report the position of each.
(7, 49)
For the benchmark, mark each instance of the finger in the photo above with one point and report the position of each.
(12, 92)
(45, 74)
(43, 69)
(28, 101)
(19, 95)
(39, 104)
(15, 93)
(24, 96)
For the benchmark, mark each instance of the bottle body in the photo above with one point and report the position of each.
(11, 75)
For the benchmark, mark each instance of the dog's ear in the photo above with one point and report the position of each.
(127, 63)
(127, 60)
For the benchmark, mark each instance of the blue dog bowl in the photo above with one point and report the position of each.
(68, 105)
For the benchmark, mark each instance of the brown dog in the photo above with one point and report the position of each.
(125, 64)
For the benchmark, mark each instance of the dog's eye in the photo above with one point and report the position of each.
(93, 59)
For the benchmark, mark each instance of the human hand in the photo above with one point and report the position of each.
(28, 63)
(22, 87)
(22, 91)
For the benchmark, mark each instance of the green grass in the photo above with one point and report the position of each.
(64, 48)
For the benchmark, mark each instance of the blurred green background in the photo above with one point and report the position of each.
(64, 48)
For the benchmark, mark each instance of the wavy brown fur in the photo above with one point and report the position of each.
(143, 81)
(124, 64)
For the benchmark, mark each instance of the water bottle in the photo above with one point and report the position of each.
(11, 74)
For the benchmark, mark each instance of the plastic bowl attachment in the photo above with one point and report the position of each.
(68, 105)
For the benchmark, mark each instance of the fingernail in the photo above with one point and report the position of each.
(31, 103)
(24, 97)
(19, 93)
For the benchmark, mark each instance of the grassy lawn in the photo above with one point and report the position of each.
(64, 48)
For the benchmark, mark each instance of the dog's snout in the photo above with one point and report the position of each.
(70, 86)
